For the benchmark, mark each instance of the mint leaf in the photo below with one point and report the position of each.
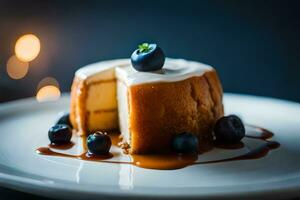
(144, 48)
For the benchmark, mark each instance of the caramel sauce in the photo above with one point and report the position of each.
(164, 161)
(61, 146)
(173, 160)
(84, 156)
(257, 153)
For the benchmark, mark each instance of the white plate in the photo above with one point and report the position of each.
(24, 125)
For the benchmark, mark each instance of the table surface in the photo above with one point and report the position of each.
(12, 194)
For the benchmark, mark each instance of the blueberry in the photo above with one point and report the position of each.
(99, 143)
(185, 143)
(148, 57)
(229, 129)
(60, 134)
(64, 118)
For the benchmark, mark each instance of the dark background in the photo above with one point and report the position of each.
(254, 45)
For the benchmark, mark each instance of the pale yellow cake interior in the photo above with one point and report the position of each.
(101, 102)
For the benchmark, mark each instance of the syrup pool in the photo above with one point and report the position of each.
(173, 160)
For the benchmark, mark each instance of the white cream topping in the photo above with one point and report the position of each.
(173, 70)
(104, 70)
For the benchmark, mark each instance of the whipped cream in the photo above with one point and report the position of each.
(173, 70)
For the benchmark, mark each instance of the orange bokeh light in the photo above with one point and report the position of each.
(16, 69)
(48, 81)
(48, 93)
(27, 47)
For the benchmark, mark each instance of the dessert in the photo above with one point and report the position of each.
(148, 107)
(159, 105)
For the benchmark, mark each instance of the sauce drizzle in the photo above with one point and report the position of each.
(61, 146)
(173, 160)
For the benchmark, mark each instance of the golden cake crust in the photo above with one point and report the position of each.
(77, 105)
(158, 111)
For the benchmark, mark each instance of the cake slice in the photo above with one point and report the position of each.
(149, 108)
(184, 96)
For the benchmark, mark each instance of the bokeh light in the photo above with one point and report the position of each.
(48, 93)
(27, 47)
(47, 81)
(16, 69)
(48, 90)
